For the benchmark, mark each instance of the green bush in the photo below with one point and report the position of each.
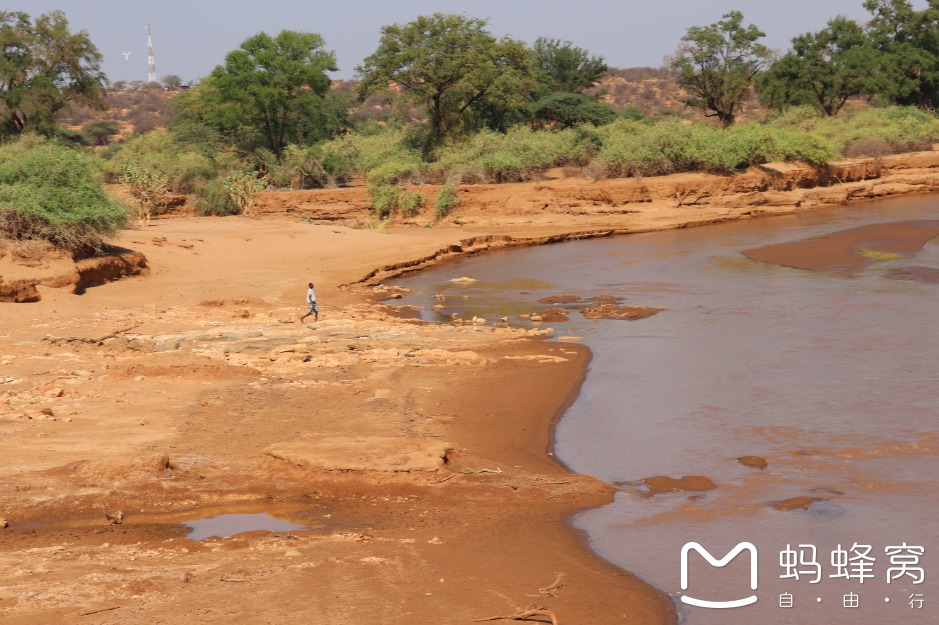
(362, 154)
(632, 148)
(447, 200)
(212, 199)
(184, 166)
(903, 128)
(411, 202)
(49, 192)
(521, 154)
(384, 199)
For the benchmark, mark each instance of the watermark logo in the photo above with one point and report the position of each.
(733, 553)
(803, 566)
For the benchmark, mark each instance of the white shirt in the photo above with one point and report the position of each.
(310, 296)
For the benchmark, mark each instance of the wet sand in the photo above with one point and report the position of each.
(849, 250)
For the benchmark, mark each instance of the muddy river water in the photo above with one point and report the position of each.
(830, 376)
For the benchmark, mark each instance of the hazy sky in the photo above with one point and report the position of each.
(191, 37)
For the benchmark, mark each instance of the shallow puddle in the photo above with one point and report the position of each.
(199, 524)
(230, 524)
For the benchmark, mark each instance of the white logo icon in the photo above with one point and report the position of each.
(702, 603)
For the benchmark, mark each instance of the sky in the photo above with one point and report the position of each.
(191, 37)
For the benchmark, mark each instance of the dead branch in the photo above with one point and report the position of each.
(90, 612)
(527, 615)
(496, 470)
(556, 585)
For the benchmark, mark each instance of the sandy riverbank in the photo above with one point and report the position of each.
(159, 396)
(171, 393)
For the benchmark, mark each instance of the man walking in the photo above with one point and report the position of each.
(311, 300)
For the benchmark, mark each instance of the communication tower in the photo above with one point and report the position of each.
(151, 64)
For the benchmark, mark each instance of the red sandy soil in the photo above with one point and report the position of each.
(177, 393)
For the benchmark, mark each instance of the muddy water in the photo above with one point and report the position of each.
(830, 377)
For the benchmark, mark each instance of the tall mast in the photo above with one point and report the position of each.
(151, 64)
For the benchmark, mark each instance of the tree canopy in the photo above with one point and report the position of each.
(565, 67)
(570, 109)
(718, 64)
(270, 91)
(453, 66)
(908, 42)
(824, 69)
(43, 69)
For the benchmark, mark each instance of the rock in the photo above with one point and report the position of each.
(569, 338)
(795, 503)
(40, 415)
(463, 280)
(612, 311)
(535, 318)
(554, 315)
(754, 462)
(292, 553)
(3, 523)
(115, 518)
(666, 484)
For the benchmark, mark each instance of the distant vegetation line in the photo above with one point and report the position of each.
(441, 100)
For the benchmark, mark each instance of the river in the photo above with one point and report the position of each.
(831, 377)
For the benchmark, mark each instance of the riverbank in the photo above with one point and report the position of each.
(173, 396)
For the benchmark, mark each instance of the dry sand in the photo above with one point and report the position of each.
(192, 390)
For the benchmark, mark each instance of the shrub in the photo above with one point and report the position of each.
(185, 167)
(447, 200)
(388, 199)
(384, 199)
(411, 202)
(213, 199)
(243, 188)
(355, 154)
(49, 192)
(147, 186)
(520, 155)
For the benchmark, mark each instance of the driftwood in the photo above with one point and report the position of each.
(527, 615)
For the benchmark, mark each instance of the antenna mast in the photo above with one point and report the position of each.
(151, 64)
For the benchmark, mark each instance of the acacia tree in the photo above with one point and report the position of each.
(566, 67)
(453, 66)
(825, 69)
(718, 64)
(44, 69)
(269, 88)
(172, 81)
